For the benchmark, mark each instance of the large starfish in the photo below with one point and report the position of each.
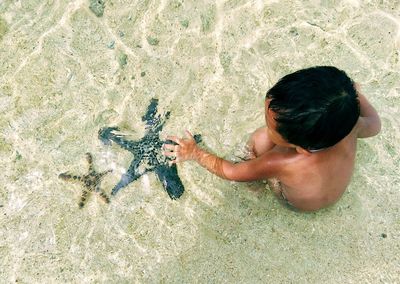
(91, 181)
(147, 153)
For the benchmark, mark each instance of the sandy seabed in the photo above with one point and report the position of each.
(69, 68)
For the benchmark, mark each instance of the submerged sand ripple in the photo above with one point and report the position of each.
(210, 63)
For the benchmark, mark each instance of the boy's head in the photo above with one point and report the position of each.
(314, 108)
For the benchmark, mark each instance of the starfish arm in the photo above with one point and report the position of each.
(67, 176)
(106, 135)
(156, 125)
(102, 194)
(83, 198)
(125, 180)
(162, 120)
(151, 112)
(168, 175)
(131, 175)
(89, 159)
(128, 145)
(102, 174)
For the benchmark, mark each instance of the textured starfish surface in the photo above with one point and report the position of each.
(147, 153)
(90, 181)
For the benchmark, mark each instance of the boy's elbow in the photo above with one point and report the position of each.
(376, 127)
(230, 173)
(235, 172)
(371, 127)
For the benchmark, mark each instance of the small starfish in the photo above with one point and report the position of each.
(91, 181)
(147, 153)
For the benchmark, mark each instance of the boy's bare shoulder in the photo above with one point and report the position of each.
(318, 180)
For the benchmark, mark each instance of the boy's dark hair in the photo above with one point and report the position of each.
(315, 107)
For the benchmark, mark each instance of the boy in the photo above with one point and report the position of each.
(307, 149)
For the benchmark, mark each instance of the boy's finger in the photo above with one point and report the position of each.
(169, 147)
(188, 134)
(175, 139)
(169, 154)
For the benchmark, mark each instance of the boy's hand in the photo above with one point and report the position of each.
(185, 149)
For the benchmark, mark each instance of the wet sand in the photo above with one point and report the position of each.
(69, 68)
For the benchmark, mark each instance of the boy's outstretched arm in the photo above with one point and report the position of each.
(370, 123)
(187, 149)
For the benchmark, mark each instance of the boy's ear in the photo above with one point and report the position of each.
(303, 151)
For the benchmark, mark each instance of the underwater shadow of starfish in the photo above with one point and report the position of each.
(91, 181)
(147, 153)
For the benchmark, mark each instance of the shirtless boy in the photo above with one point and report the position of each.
(307, 149)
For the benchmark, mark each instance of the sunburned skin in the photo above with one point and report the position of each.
(307, 180)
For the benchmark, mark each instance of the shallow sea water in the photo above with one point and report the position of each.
(66, 72)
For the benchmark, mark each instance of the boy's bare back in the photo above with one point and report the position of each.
(315, 180)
